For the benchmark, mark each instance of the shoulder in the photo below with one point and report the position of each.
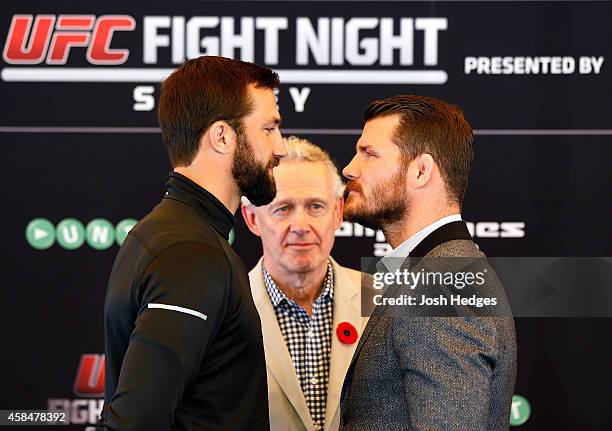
(187, 274)
(352, 273)
(190, 264)
(172, 223)
(456, 248)
(353, 276)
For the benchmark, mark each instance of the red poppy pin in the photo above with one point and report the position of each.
(346, 333)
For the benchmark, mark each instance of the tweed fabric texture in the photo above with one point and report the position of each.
(431, 373)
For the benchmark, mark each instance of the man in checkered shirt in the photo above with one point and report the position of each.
(301, 293)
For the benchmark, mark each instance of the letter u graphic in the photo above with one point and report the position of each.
(27, 43)
(89, 380)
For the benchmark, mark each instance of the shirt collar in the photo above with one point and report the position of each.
(277, 296)
(181, 188)
(403, 250)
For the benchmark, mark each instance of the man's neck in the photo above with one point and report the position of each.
(302, 288)
(219, 186)
(414, 222)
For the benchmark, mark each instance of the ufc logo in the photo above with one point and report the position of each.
(49, 38)
(89, 380)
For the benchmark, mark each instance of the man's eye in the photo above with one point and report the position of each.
(270, 130)
(281, 210)
(317, 206)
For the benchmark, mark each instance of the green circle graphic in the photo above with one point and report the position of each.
(122, 229)
(231, 237)
(70, 234)
(100, 234)
(40, 233)
(519, 411)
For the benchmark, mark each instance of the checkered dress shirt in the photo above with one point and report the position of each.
(308, 339)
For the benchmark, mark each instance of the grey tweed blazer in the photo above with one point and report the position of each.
(432, 373)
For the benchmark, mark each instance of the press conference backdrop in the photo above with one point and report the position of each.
(83, 158)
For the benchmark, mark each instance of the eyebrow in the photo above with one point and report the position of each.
(275, 120)
(293, 201)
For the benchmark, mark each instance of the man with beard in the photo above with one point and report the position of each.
(408, 178)
(184, 347)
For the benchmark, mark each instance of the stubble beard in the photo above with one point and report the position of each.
(386, 206)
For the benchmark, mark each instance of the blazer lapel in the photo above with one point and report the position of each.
(278, 359)
(377, 312)
(347, 308)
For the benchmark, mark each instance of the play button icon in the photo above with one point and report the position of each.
(40, 234)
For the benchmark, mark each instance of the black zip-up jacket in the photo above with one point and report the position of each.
(183, 338)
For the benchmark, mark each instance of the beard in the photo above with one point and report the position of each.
(252, 176)
(386, 206)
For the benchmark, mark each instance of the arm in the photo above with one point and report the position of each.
(447, 365)
(167, 344)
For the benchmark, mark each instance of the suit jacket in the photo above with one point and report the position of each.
(432, 373)
(287, 404)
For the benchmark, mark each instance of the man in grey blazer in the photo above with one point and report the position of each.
(408, 178)
(309, 305)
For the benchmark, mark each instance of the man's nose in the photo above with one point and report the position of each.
(300, 223)
(279, 146)
(350, 171)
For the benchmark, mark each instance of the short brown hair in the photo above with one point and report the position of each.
(431, 126)
(204, 90)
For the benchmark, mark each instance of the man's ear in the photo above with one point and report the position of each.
(221, 137)
(339, 211)
(250, 218)
(425, 166)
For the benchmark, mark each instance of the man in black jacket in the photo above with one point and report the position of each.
(184, 347)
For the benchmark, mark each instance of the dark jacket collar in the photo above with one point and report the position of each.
(181, 188)
(448, 232)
